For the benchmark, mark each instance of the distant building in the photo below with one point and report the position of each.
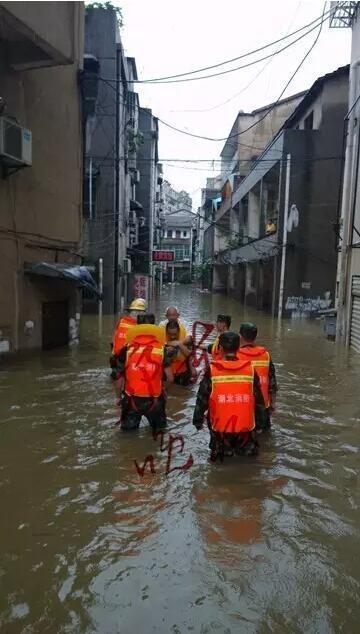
(41, 188)
(178, 236)
(174, 200)
(146, 194)
(210, 201)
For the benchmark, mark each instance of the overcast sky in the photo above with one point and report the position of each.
(168, 37)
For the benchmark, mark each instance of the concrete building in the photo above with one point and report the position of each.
(249, 135)
(210, 200)
(111, 212)
(174, 200)
(178, 236)
(40, 205)
(146, 195)
(347, 15)
(275, 244)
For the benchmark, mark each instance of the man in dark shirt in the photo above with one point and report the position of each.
(264, 366)
(179, 353)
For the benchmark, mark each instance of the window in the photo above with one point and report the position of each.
(169, 233)
(309, 121)
(185, 234)
(182, 252)
(178, 233)
(89, 211)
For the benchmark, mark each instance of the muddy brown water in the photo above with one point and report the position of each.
(251, 545)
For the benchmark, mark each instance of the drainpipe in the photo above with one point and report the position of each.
(101, 286)
(284, 243)
(343, 269)
(90, 189)
(117, 184)
(191, 252)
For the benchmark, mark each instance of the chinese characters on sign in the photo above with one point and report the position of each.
(163, 256)
(141, 286)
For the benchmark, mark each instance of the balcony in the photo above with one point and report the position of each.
(254, 250)
(35, 34)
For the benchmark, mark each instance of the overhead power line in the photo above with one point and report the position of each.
(166, 79)
(231, 136)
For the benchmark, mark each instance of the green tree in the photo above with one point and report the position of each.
(107, 6)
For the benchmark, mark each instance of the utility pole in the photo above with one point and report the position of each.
(284, 243)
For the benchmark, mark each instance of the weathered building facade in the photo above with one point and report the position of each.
(40, 205)
(111, 221)
(275, 243)
(178, 236)
(347, 15)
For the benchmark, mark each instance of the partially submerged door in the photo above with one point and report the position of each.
(55, 324)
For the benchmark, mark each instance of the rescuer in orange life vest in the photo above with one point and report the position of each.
(136, 307)
(143, 366)
(265, 369)
(229, 392)
(179, 352)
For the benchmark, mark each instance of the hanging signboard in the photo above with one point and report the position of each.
(163, 256)
(141, 286)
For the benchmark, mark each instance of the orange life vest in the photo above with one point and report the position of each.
(144, 367)
(119, 338)
(179, 363)
(232, 402)
(260, 360)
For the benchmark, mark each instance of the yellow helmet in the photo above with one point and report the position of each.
(138, 304)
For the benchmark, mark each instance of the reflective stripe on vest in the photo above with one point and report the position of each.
(144, 368)
(232, 402)
(215, 349)
(260, 360)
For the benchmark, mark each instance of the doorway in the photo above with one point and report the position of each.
(55, 324)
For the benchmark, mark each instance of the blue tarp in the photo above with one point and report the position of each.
(72, 272)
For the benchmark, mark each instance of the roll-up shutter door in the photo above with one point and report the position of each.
(355, 314)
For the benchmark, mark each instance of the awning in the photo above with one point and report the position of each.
(71, 272)
(135, 206)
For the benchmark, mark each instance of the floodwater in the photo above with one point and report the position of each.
(261, 545)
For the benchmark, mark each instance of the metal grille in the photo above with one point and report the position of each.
(342, 14)
(355, 314)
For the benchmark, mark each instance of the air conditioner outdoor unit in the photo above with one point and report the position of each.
(127, 265)
(15, 144)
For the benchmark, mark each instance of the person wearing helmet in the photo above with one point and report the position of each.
(137, 307)
(143, 367)
(262, 363)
